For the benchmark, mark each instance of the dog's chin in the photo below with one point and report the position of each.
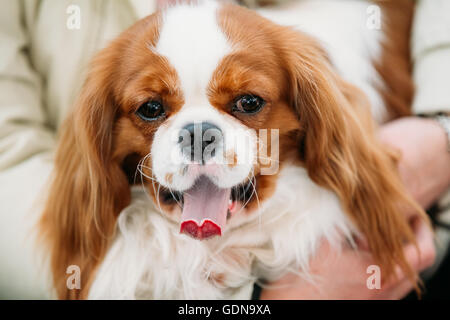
(207, 208)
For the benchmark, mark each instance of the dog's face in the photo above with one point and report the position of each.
(205, 114)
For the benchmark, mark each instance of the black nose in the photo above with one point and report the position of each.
(198, 141)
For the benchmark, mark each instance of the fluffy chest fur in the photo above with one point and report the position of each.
(150, 259)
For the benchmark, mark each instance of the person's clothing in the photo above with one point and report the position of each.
(431, 58)
(42, 67)
(43, 61)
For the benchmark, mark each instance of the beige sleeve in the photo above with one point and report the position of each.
(25, 160)
(431, 56)
(23, 131)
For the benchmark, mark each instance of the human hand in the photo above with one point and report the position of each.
(424, 167)
(343, 274)
(424, 163)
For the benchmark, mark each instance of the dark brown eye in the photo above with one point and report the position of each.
(150, 110)
(248, 104)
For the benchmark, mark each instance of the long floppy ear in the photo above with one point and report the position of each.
(341, 152)
(89, 188)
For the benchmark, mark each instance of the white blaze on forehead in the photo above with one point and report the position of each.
(194, 44)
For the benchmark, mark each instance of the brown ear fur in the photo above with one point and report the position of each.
(394, 65)
(341, 152)
(88, 189)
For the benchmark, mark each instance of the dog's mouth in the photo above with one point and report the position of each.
(206, 207)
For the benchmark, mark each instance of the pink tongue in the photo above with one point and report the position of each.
(205, 209)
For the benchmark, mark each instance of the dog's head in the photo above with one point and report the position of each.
(206, 103)
(199, 110)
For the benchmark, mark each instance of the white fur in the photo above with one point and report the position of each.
(199, 47)
(150, 259)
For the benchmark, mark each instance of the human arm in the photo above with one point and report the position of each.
(23, 128)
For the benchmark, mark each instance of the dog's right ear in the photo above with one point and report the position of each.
(88, 187)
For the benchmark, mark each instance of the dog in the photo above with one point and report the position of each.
(213, 146)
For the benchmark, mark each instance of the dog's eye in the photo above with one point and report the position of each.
(248, 104)
(150, 110)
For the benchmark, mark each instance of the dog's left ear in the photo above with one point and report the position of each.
(341, 152)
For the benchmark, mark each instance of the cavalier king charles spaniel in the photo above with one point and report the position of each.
(213, 146)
